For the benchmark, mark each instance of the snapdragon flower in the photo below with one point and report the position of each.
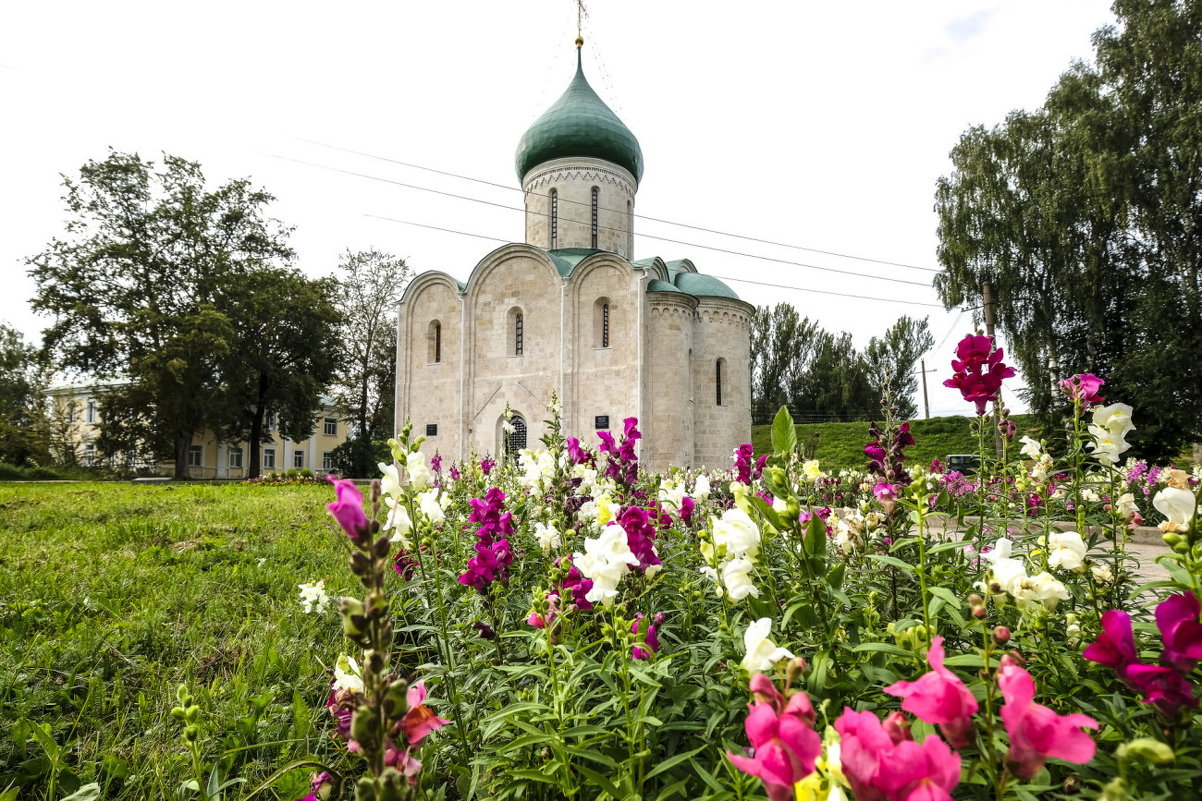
(761, 653)
(313, 597)
(606, 560)
(1066, 549)
(548, 536)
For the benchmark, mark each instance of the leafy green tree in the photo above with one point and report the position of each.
(890, 362)
(835, 384)
(781, 348)
(1083, 216)
(286, 353)
(370, 286)
(20, 442)
(135, 287)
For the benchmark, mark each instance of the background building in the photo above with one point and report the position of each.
(568, 311)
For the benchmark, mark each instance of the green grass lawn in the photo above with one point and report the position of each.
(838, 446)
(113, 594)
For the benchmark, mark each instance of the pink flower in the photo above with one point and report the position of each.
(939, 697)
(885, 491)
(348, 508)
(1037, 732)
(926, 772)
(420, 720)
(1177, 619)
(650, 642)
(1083, 389)
(1163, 687)
(786, 746)
(1115, 646)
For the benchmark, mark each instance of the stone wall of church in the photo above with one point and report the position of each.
(511, 282)
(668, 381)
(573, 181)
(430, 360)
(721, 336)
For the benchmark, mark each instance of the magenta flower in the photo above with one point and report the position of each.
(576, 454)
(420, 720)
(687, 505)
(939, 697)
(785, 746)
(493, 554)
(865, 751)
(623, 464)
(1163, 688)
(1115, 646)
(1177, 619)
(650, 642)
(742, 466)
(885, 491)
(640, 536)
(576, 584)
(1037, 732)
(348, 508)
(978, 371)
(1083, 389)
(486, 465)
(926, 772)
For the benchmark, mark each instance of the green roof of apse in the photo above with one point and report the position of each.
(579, 124)
(700, 285)
(566, 259)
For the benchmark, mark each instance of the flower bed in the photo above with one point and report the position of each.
(565, 625)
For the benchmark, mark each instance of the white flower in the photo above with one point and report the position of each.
(1066, 549)
(390, 479)
(1110, 425)
(1176, 504)
(431, 508)
(1042, 467)
(1001, 550)
(712, 575)
(420, 475)
(1046, 589)
(398, 523)
(507, 427)
(313, 597)
(701, 487)
(1116, 417)
(762, 653)
(606, 560)
(588, 512)
(736, 575)
(1101, 573)
(671, 493)
(347, 675)
(1126, 505)
(1009, 574)
(1031, 448)
(1090, 495)
(548, 536)
(737, 532)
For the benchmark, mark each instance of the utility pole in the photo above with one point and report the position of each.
(926, 404)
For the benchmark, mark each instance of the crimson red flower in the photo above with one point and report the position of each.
(1115, 646)
(1177, 619)
(978, 371)
(420, 720)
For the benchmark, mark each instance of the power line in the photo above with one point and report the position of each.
(723, 277)
(704, 229)
(726, 251)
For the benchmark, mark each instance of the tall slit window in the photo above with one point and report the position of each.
(519, 334)
(718, 380)
(601, 323)
(554, 218)
(605, 325)
(434, 342)
(596, 199)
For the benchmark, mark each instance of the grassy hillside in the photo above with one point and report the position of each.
(841, 445)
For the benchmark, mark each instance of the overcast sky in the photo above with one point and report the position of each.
(821, 125)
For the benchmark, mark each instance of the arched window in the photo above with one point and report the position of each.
(517, 332)
(718, 380)
(554, 218)
(601, 323)
(596, 203)
(434, 342)
(513, 436)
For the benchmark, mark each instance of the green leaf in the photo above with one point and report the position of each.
(884, 648)
(815, 541)
(965, 660)
(891, 560)
(672, 762)
(784, 433)
(89, 792)
(947, 595)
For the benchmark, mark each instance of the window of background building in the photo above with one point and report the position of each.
(196, 455)
(89, 454)
(90, 414)
(298, 459)
(331, 426)
(434, 342)
(596, 199)
(234, 457)
(269, 457)
(718, 379)
(554, 218)
(327, 460)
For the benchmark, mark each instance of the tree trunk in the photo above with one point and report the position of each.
(182, 441)
(256, 429)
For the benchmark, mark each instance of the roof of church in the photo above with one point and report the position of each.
(579, 124)
(681, 279)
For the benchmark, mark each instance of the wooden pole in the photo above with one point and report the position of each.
(926, 404)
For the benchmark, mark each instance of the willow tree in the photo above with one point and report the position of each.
(1085, 217)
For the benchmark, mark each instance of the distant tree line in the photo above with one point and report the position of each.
(821, 376)
(185, 304)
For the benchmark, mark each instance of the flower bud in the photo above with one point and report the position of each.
(979, 612)
(797, 665)
(975, 600)
(1002, 635)
(363, 726)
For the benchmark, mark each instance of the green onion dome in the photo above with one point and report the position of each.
(579, 124)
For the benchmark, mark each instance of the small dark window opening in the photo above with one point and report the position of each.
(519, 334)
(431, 429)
(437, 342)
(601, 422)
(718, 380)
(596, 197)
(605, 325)
(515, 440)
(554, 218)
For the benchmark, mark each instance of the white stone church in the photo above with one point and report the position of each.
(568, 311)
